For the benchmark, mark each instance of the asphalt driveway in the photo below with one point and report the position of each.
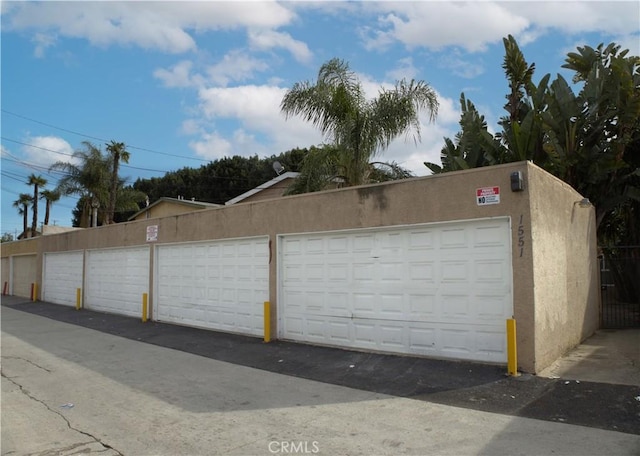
(470, 385)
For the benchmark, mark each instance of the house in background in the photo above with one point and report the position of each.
(274, 188)
(165, 207)
(46, 230)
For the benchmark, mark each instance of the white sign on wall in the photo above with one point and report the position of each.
(487, 195)
(152, 233)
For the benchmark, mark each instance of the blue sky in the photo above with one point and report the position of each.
(183, 83)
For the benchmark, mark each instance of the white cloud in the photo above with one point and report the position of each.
(42, 41)
(235, 66)
(164, 26)
(191, 127)
(212, 146)
(270, 39)
(46, 150)
(461, 66)
(256, 109)
(578, 17)
(630, 41)
(179, 75)
(472, 26)
(404, 70)
(436, 25)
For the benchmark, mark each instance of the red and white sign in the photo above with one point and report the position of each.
(487, 195)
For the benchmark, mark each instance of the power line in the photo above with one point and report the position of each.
(122, 166)
(71, 155)
(6, 174)
(35, 167)
(99, 139)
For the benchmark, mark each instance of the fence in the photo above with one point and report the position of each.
(620, 285)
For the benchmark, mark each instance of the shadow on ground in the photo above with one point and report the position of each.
(456, 383)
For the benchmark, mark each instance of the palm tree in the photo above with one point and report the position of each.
(118, 152)
(357, 129)
(50, 196)
(37, 182)
(22, 203)
(89, 180)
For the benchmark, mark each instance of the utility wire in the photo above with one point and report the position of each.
(100, 139)
(122, 165)
(71, 155)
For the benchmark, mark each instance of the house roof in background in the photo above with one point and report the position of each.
(266, 185)
(180, 201)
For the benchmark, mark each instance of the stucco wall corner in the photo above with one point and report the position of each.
(565, 270)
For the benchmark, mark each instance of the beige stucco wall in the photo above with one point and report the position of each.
(4, 270)
(19, 247)
(445, 197)
(24, 274)
(565, 274)
(23, 253)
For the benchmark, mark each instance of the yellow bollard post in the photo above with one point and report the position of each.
(34, 292)
(78, 298)
(145, 300)
(512, 348)
(267, 321)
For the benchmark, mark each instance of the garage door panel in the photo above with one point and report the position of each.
(62, 276)
(392, 337)
(441, 290)
(338, 332)
(220, 284)
(420, 240)
(422, 339)
(489, 236)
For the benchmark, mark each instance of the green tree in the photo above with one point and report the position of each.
(357, 129)
(50, 197)
(591, 139)
(6, 237)
(38, 182)
(87, 176)
(220, 180)
(118, 152)
(22, 203)
(608, 171)
(474, 146)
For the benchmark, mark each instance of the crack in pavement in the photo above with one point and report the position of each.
(57, 451)
(27, 361)
(95, 439)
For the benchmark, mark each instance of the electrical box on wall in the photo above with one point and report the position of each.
(517, 184)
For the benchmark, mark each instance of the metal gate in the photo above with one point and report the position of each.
(620, 285)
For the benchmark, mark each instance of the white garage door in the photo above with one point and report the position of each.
(442, 290)
(62, 276)
(216, 284)
(116, 279)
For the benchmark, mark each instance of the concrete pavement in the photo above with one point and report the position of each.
(609, 356)
(136, 398)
